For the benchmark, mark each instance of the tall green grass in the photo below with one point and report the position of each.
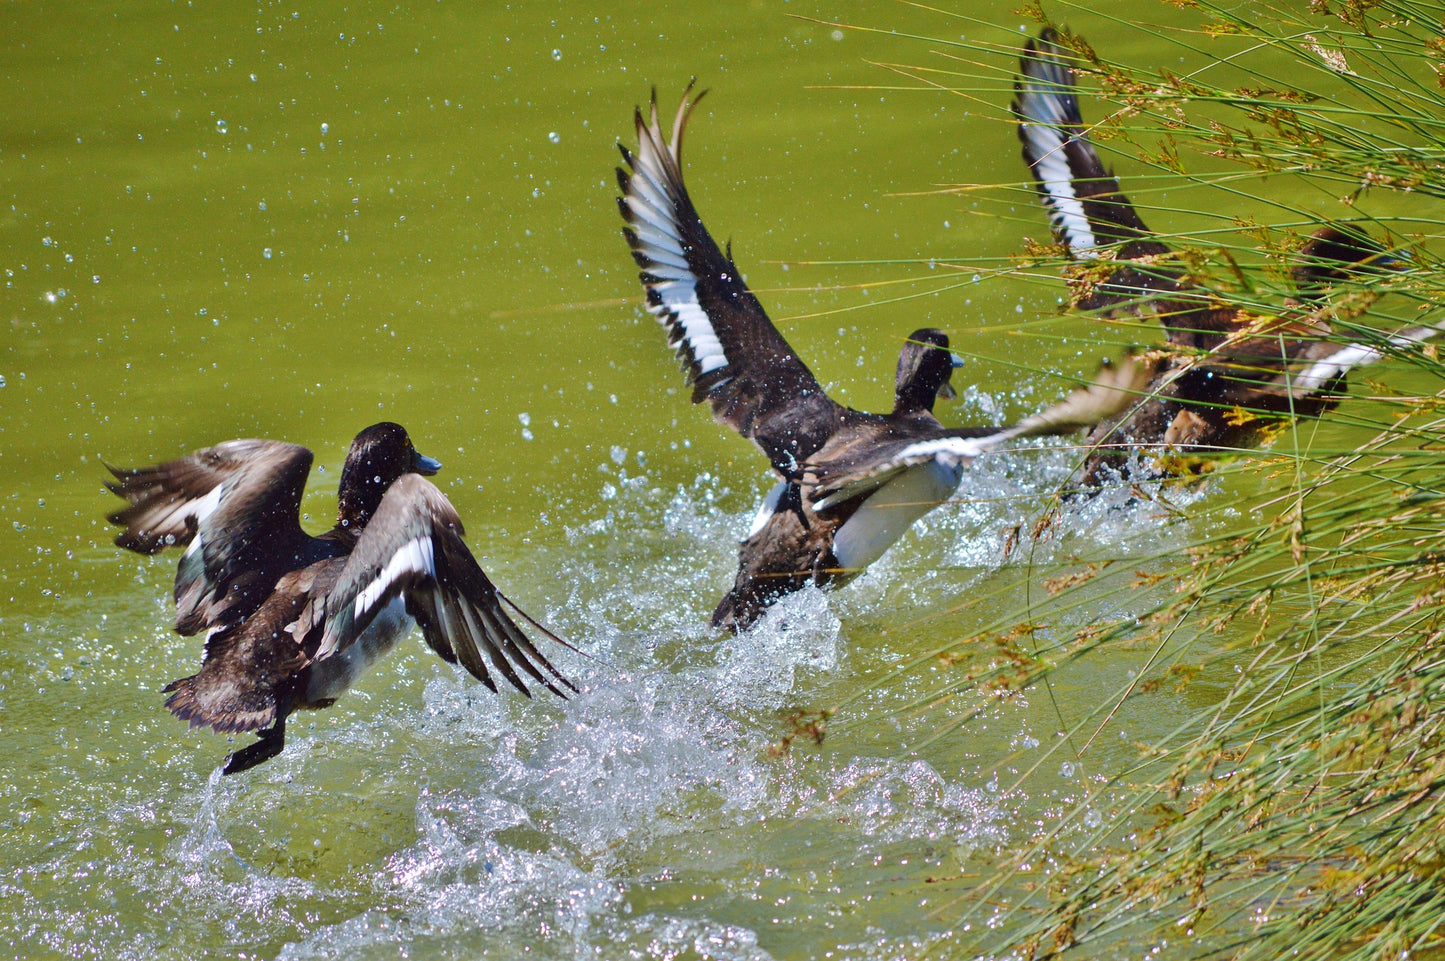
(1299, 811)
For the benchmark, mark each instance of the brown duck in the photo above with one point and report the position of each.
(1228, 377)
(292, 620)
(850, 482)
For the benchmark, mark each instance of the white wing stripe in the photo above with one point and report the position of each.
(653, 216)
(679, 303)
(1051, 167)
(649, 183)
(413, 557)
(953, 449)
(767, 509)
(669, 274)
(1321, 372)
(674, 261)
(658, 219)
(650, 237)
(200, 509)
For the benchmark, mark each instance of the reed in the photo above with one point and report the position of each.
(1300, 810)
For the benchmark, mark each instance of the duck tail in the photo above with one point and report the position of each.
(183, 702)
(201, 703)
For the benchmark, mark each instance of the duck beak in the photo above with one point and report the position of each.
(1398, 259)
(424, 465)
(946, 392)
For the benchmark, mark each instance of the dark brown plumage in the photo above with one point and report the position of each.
(292, 620)
(850, 482)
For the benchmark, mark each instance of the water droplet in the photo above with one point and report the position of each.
(266, 253)
(556, 54)
(220, 126)
(525, 418)
(325, 128)
(555, 137)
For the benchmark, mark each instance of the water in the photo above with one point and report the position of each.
(292, 223)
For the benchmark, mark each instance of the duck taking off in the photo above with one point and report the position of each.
(850, 482)
(292, 620)
(1228, 377)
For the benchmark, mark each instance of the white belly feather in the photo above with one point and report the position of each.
(332, 675)
(890, 511)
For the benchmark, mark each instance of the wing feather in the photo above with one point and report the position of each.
(1083, 198)
(413, 548)
(237, 505)
(867, 465)
(735, 357)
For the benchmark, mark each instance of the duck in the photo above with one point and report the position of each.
(849, 483)
(1228, 378)
(294, 620)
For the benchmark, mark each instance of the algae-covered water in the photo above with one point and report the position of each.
(293, 221)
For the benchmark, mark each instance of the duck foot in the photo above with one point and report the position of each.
(272, 740)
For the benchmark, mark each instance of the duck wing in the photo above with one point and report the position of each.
(1085, 204)
(1092, 217)
(412, 548)
(237, 506)
(862, 465)
(840, 474)
(735, 358)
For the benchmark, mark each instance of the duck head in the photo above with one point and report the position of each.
(924, 368)
(378, 456)
(1334, 254)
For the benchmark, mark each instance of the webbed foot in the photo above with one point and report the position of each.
(272, 740)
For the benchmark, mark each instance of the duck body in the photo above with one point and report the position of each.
(850, 482)
(293, 621)
(1227, 378)
(793, 543)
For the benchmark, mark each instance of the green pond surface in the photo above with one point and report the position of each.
(292, 221)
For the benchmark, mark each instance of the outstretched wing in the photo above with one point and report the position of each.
(413, 548)
(237, 505)
(838, 476)
(1085, 204)
(1093, 218)
(735, 358)
(845, 476)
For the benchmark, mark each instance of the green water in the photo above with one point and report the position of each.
(294, 221)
